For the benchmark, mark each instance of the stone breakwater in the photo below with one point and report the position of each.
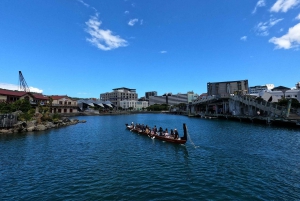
(30, 126)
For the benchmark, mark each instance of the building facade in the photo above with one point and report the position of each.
(119, 94)
(62, 104)
(281, 88)
(257, 89)
(150, 93)
(136, 105)
(224, 89)
(169, 99)
(192, 96)
(10, 96)
(293, 94)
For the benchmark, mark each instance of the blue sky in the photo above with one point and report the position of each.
(86, 47)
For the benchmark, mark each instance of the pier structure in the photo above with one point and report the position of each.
(243, 108)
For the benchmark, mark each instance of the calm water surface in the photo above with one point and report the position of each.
(101, 160)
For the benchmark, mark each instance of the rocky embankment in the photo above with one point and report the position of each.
(30, 126)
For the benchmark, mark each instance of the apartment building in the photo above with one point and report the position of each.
(119, 94)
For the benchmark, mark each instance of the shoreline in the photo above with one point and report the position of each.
(69, 119)
(32, 126)
(288, 123)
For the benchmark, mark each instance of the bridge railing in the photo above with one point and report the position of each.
(261, 104)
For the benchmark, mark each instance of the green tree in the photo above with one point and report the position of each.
(182, 106)
(158, 107)
(50, 101)
(284, 102)
(26, 116)
(5, 108)
(23, 105)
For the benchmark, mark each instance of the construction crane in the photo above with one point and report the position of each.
(22, 83)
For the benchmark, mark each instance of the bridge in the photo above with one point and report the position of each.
(243, 108)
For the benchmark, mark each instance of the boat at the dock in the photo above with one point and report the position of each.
(166, 138)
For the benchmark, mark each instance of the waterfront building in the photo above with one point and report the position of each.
(223, 89)
(169, 99)
(192, 96)
(10, 96)
(293, 94)
(202, 96)
(150, 93)
(297, 85)
(119, 94)
(259, 88)
(271, 96)
(87, 104)
(62, 104)
(136, 105)
(281, 88)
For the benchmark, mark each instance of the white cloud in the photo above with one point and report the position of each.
(132, 22)
(298, 17)
(163, 52)
(102, 39)
(289, 40)
(260, 3)
(141, 22)
(243, 38)
(126, 12)
(33, 89)
(262, 28)
(16, 87)
(85, 4)
(284, 5)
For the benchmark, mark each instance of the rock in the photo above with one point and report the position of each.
(73, 122)
(50, 125)
(31, 123)
(65, 120)
(30, 129)
(4, 131)
(19, 127)
(82, 121)
(41, 127)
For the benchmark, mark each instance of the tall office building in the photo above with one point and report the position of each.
(150, 93)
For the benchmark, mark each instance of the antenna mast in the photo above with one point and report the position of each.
(22, 83)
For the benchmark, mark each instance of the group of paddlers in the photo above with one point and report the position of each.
(154, 131)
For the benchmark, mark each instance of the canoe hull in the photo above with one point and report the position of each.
(162, 138)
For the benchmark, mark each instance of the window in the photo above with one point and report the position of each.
(71, 110)
(69, 103)
(65, 110)
(60, 102)
(59, 110)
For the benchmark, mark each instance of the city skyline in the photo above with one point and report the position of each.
(82, 48)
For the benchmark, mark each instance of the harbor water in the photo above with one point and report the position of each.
(101, 160)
